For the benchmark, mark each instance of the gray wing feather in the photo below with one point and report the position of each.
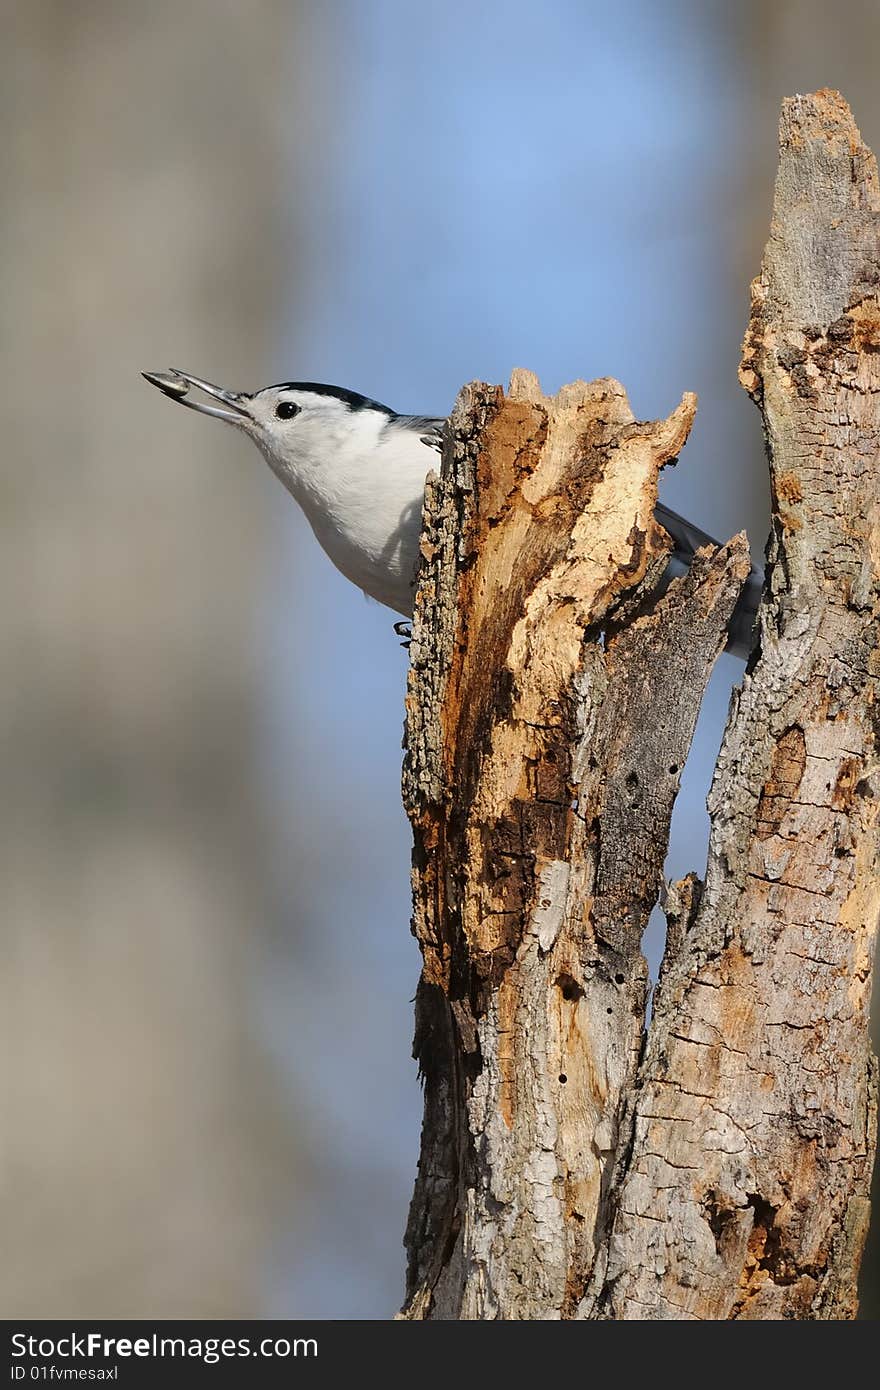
(427, 427)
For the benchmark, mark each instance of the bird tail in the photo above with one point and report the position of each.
(687, 539)
(741, 628)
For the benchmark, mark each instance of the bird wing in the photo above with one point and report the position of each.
(687, 537)
(429, 428)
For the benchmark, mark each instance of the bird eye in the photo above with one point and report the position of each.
(285, 410)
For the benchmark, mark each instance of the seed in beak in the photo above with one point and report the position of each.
(169, 382)
(176, 385)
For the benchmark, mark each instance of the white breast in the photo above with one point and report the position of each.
(363, 500)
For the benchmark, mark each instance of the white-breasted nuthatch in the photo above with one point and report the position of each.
(358, 471)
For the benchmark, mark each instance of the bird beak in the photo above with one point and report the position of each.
(177, 385)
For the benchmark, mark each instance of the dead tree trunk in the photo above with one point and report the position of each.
(718, 1167)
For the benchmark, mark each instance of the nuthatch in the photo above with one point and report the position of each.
(358, 471)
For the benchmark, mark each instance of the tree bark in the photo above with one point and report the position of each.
(574, 1165)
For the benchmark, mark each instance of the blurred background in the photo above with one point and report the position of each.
(209, 1107)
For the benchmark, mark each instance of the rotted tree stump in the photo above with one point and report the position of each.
(717, 1165)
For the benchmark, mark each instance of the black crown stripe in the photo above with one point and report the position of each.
(353, 399)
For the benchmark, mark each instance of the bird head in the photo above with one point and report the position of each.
(299, 426)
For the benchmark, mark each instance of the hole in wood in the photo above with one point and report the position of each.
(568, 987)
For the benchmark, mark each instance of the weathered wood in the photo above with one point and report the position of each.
(552, 699)
(746, 1192)
(541, 770)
